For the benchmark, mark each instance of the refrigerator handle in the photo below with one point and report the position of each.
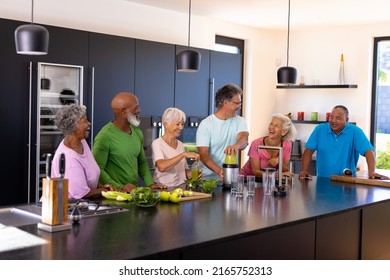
(30, 66)
(212, 101)
(92, 102)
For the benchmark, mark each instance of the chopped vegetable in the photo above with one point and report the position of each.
(145, 196)
(209, 185)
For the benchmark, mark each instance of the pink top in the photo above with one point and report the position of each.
(82, 171)
(263, 155)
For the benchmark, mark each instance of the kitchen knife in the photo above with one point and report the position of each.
(62, 165)
(48, 166)
(60, 187)
(48, 174)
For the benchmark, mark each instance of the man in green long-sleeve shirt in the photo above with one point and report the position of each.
(118, 147)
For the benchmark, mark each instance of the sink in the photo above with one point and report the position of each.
(19, 216)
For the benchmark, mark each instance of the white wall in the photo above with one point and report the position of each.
(315, 52)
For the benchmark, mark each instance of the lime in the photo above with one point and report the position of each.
(164, 196)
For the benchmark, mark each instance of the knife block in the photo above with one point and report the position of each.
(51, 201)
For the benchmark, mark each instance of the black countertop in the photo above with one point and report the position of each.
(169, 228)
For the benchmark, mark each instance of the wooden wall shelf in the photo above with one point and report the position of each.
(314, 122)
(315, 86)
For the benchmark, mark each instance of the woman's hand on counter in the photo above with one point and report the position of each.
(158, 187)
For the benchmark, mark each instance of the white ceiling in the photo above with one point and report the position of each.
(273, 13)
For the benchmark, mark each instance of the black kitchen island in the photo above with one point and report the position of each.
(318, 219)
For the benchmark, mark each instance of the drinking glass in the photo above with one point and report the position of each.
(240, 186)
(250, 180)
(269, 180)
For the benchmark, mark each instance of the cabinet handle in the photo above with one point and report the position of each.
(212, 96)
(92, 102)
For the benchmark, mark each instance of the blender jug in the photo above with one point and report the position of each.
(229, 168)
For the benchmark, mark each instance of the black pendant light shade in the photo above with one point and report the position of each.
(287, 75)
(31, 39)
(188, 60)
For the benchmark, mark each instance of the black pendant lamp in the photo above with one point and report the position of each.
(32, 39)
(188, 60)
(287, 74)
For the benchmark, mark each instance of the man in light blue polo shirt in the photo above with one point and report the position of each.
(223, 133)
(338, 145)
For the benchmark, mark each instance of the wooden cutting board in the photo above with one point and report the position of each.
(360, 180)
(195, 196)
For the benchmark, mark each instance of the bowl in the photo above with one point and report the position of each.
(146, 205)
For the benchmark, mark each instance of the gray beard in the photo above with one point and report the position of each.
(133, 120)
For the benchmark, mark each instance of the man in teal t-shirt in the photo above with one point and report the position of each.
(223, 133)
(118, 147)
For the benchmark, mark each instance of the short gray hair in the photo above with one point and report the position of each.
(287, 126)
(173, 115)
(68, 116)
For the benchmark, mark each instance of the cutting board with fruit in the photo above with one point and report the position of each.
(360, 180)
(195, 196)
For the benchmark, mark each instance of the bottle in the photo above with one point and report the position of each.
(196, 166)
(341, 80)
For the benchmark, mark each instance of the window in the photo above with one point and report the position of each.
(380, 105)
(229, 45)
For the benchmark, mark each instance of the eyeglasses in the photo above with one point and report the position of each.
(237, 103)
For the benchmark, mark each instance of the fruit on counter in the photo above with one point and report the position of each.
(188, 193)
(179, 191)
(113, 195)
(174, 197)
(164, 196)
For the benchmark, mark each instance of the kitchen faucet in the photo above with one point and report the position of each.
(280, 159)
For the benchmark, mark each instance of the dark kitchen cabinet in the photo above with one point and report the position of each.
(66, 46)
(224, 68)
(338, 236)
(111, 66)
(192, 88)
(296, 165)
(154, 76)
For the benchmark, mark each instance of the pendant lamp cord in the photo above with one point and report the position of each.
(189, 25)
(288, 31)
(32, 11)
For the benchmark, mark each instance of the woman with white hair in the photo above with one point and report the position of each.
(81, 168)
(168, 153)
(281, 133)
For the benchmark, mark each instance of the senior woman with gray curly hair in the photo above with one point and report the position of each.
(281, 133)
(81, 168)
